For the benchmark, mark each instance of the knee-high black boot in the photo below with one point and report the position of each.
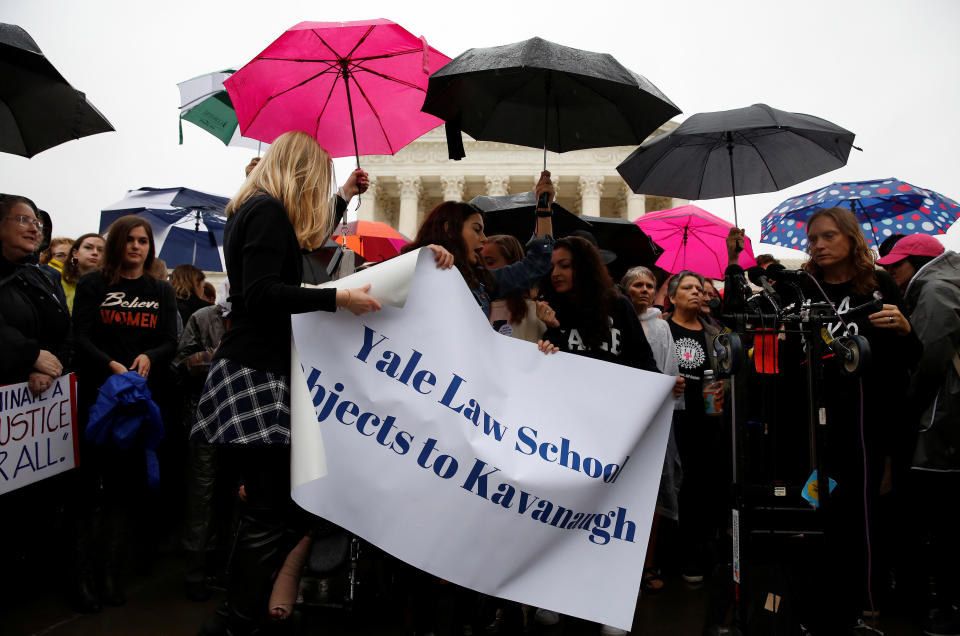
(86, 599)
(114, 558)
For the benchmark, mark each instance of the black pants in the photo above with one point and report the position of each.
(270, 526)
(701, 445)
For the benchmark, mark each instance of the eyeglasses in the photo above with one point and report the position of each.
(25, 221)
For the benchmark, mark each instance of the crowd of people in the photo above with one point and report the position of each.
(216, 363)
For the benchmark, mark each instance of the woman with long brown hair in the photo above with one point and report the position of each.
(863, 414)
(124, 320)
(458, 228)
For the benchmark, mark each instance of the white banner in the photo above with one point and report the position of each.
(472, 455)
(38, 433)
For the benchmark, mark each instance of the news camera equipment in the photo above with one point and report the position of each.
(769, 518)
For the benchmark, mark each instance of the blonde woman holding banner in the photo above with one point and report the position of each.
(283, 207)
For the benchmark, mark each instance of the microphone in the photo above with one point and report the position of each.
(758, 276)
(778, 272)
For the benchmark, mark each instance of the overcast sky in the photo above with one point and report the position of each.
(887, 70)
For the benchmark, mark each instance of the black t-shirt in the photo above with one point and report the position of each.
(691, 348)
(885, 380)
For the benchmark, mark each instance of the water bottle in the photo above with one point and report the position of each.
(712, 403)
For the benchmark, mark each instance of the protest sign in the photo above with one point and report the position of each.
(472, 455)
(38, 433)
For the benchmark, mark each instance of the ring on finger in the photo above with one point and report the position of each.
(891, 319)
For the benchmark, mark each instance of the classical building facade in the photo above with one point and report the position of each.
(403, 187)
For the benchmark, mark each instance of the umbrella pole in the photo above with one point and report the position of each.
(546, 113)
(196, 232)
(733, 183)
(353, 126)
(866, 215)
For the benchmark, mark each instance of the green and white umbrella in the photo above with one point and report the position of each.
(205, 103)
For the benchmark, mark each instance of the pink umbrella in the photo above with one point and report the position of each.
(319, 75)
(693, 239)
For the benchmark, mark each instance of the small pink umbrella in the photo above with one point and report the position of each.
(693, 239)
(317, 76)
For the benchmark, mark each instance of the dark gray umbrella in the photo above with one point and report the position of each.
(626, 240)
(540, 94)
(38, 107)
(515, 214)
(739, 151)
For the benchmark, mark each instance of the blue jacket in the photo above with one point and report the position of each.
(125, 414)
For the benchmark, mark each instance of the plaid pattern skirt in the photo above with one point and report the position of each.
(241, 405)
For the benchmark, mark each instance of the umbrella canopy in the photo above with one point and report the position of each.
(205, 102)
(544, 95)
(515, 214)
(740, 151)
(38, 107)
(373, 240)
(693, 239)
(319, 76)
(626, 240)
(187, 224)
(882, 206)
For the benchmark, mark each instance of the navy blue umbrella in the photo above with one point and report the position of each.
(187, 224)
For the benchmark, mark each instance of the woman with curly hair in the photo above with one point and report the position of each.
(584, 312)
(586, 315)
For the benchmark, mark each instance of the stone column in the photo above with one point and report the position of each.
(636, 204)
(410, 191)
(497, 185)
(591, 188)
(452, 188)
(676, 203)
(368, 201)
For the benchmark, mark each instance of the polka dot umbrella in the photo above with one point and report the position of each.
(883, 207)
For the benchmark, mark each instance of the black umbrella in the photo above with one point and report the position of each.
(739, 151)
(626, 240)
(515, 214)
(540, 94)
(38, 107)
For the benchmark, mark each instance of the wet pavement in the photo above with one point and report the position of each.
(156, 606)
(35, 580)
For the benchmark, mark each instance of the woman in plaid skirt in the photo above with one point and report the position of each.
(283, 207)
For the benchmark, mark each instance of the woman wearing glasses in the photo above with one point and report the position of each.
(34, 324)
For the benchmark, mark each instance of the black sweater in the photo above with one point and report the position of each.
(265, 269)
